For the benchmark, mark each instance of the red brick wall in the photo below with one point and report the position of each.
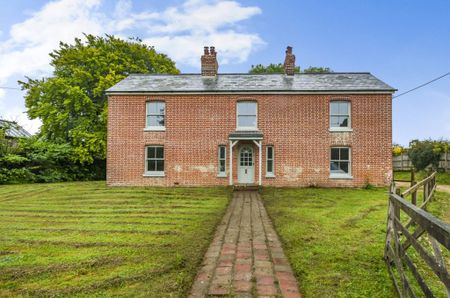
(296, 125)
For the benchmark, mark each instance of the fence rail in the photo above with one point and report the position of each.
(419, 235)
(403, 163)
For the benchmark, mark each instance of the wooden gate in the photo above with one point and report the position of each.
(417, 243)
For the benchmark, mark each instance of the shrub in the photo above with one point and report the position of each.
(397, 150)
(35, 160)
(424, 153)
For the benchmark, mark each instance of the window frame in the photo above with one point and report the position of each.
(349, 115)
(147, 114)
(272, 173)
(335, 175)
(224, 159)
(246, 128)
(148, 173)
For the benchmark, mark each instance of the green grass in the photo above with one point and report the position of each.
(88, 240)
(441, 178)
(334, 238)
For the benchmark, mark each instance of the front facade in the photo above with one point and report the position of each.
(229, 129)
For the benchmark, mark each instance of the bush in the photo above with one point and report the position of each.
(397, 150)
(35, 160)
(425, 153)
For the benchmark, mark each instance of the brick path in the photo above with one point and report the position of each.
(245, 258)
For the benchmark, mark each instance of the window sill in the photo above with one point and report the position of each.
(246, 128)
(340, 129)
(270, 175)
(341, 176)
(155, 128)
(155, 174)
(222, 175)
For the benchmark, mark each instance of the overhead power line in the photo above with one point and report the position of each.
(424, 84)
(10, 88)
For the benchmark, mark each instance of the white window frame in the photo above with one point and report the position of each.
(224, 159)
(249, 128)
(349, 126)
(148, 173)
(270, 174)
(154, 128)
(342, 175)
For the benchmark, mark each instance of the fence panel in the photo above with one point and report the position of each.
(403, 163)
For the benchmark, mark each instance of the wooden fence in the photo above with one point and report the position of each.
(414, 243)
(403, 163)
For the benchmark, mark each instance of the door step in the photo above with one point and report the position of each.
(239, 187)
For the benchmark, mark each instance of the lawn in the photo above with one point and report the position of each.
(85, 239)
(441, 178)
(334, 238)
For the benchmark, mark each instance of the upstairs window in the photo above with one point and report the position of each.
(222, 161)
(340, 115)
(246, 115)
(156, 112)
(154, 160)
(340, 164)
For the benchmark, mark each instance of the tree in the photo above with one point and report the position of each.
(271, 68)
(279, 68)
(72, 104)
(424, 153)
(317, 69)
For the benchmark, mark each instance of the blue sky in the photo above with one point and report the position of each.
(404, 43)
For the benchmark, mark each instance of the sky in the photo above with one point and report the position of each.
(403, 42)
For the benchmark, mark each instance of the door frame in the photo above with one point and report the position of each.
(239, 176)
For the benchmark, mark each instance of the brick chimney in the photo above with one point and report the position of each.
(209, 62)
(289, 62)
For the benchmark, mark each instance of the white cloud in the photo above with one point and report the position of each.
(201, 16)
(26, 51)
(179, 31)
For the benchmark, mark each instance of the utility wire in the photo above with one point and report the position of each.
(10, 88)
(424, 84)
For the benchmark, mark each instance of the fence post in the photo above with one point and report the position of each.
(413, 182)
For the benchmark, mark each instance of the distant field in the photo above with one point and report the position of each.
(85, 239)
(334, 238)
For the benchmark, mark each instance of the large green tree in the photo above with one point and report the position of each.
(279, 68)
(72, 104)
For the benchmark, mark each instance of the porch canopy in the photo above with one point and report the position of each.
(246, 135)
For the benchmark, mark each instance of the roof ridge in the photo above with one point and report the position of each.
(249, 74)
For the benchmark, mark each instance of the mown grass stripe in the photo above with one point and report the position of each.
(49, 222)
(93, 216)
(87, 244)
(112, 212)
(25, 272)
(106, 207)
(93, 231)
(109, 203)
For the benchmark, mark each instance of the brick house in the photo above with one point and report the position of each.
(332, 129)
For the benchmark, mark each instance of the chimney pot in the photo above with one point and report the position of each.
(209, 62)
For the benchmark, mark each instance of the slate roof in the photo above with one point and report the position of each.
(245, 134)
(13, 130)
(195, 83)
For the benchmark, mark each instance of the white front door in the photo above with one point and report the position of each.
(246, 165)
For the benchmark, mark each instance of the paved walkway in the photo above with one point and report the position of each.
(245, 258)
